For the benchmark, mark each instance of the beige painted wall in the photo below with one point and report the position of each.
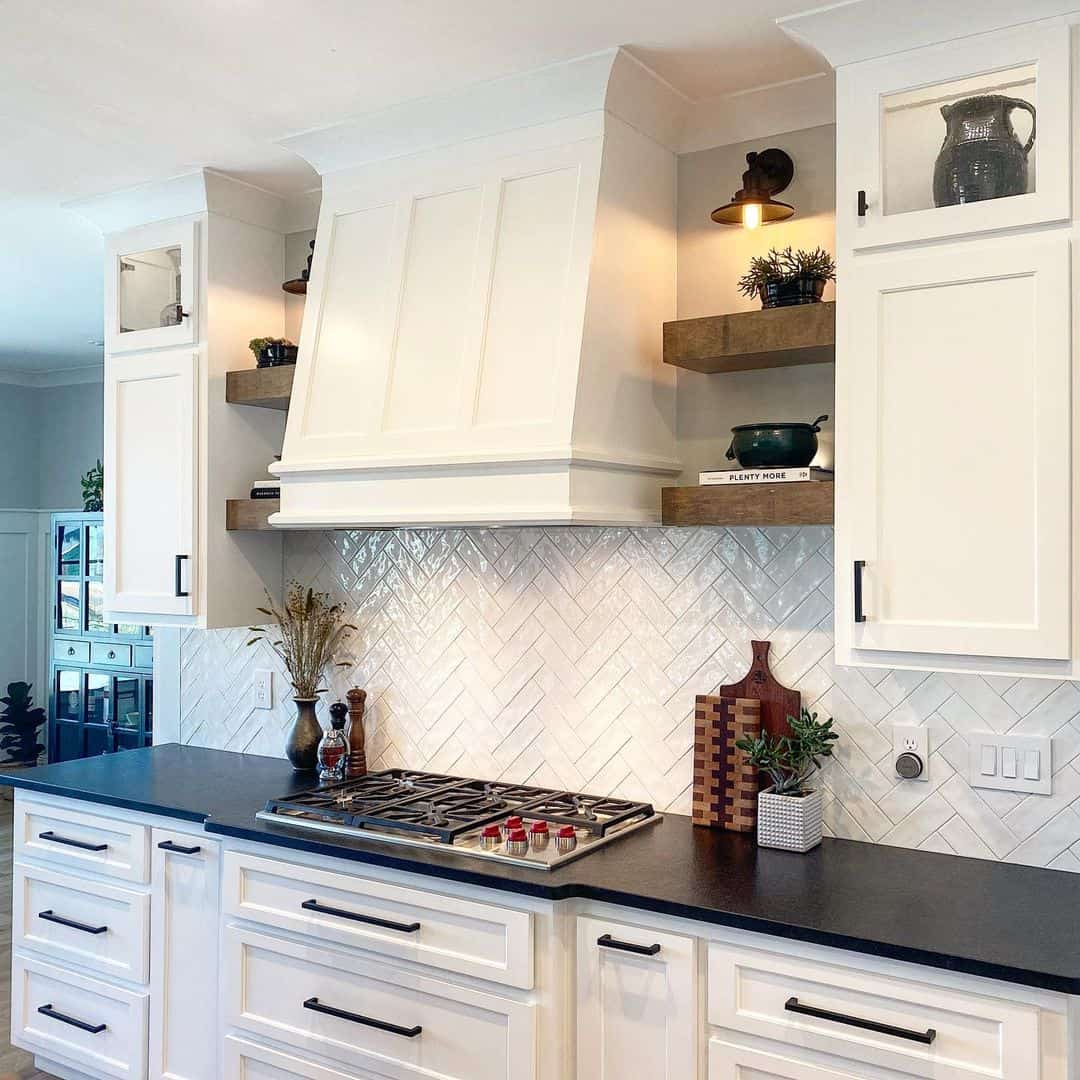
(711, 260)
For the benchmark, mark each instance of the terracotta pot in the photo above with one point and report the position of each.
(302, 745)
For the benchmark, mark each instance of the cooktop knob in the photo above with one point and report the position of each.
(566, 839)
(513, 822)
(491, 836)
(539, 834)
(517, 842)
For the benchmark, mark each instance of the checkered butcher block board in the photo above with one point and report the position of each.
(725, 784)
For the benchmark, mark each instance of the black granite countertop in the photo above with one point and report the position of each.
(1003, 921)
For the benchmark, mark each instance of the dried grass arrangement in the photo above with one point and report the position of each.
(309, 632)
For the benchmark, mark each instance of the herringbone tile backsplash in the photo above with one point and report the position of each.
(571, 657)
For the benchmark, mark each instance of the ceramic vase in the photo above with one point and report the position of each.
(302, 745)
(790, 822)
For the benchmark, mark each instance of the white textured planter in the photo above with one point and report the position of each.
(791, 822)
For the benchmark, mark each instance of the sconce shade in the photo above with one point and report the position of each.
(767, 174)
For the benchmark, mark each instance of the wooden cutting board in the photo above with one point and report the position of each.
(777, 702)
(725, 784)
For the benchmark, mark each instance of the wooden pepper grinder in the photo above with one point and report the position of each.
(354, 733)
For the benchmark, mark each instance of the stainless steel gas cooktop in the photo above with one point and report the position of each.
(526, 826)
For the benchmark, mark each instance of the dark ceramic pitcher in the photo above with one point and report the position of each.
(982, 156)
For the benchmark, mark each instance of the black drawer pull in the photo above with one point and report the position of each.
(178, 573)
(82, 1025)
(317, 1006)
(50, 916)
(925, 1037)
(860, 615)
(341, 913)
(82, 845)
(606, 941)
(168, 845)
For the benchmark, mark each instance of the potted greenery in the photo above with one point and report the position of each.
(93, 482)
(789, 811)
(308, 632)
(19, 725)
(272, 351)
(786, 278)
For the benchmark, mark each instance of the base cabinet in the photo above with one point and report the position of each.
(636, 1003)
(185, 885)
(729, 1061)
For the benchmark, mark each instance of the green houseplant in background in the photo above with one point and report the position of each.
(787, 278)
(93, 482)
(789, 811)
(19, 725)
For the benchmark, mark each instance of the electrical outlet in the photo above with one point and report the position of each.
(262, 683)
(911, 753)
(1010, 762)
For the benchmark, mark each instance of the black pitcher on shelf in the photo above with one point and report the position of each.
(982, 156)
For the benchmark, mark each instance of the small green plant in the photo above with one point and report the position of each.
(790, 760)
(19, 724)
(257, 344)
(93, 483)
(782, 267)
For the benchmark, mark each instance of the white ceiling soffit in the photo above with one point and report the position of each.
(853, 30)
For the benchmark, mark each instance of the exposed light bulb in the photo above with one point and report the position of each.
(751, 215)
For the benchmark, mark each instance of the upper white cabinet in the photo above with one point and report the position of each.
(958, 483)
(151, 287)
(912, 161)
(151, 433)
(193, 272)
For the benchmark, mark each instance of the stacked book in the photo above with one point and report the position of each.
(266, 489)
(764, 476)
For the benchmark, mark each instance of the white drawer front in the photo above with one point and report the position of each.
(758, 992)
(117, 1050)
(464, 1034)
(97, 844)
(43, 897)
(729, 1061)
(446, 932)
(246, 1060)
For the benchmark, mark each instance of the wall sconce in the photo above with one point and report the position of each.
(767, 174)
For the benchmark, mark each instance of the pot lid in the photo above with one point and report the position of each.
(774, 424)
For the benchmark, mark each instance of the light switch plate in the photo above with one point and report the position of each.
(262, 688)
(912, 740)
(1010, 762)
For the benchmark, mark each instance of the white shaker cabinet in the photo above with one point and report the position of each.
(636, 1002)
(151, 428)
(185, 883)
(958, 480)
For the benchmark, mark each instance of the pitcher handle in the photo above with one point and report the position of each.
(1019, 103)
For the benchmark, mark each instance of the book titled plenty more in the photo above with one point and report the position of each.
(764, 476)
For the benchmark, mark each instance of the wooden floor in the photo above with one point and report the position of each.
(14, 1064)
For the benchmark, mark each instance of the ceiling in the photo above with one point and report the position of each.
(97, 95)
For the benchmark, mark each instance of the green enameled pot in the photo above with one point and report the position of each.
(774, 446)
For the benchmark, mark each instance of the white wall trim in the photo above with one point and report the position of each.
(70, 376)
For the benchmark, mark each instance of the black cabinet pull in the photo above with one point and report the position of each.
(606, 941)
(317, 1006)
(863, 204)
(178, 570)
(925, 1037)
(82, 845)
(82, 1025)
(168, 845)
(50, 916)
(860, 615)
(71, 650)
(341, 913)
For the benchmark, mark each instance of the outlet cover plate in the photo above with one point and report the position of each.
(912, 740)
(1031, 764)
(262, 689)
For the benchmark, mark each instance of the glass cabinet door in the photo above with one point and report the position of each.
(69, 606)
(956, 138)
(150, 287)
(69, 550)
(95, 547)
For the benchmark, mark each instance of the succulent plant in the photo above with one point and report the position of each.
(781, 266)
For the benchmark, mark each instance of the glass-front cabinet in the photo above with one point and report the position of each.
(966, 139)
(151, 288)
(101, 697)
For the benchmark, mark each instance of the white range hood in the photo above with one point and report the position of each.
(482, 337)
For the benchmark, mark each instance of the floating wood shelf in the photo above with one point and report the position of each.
(809, 503)
(750, 340)
(269, 388)
(250, 515)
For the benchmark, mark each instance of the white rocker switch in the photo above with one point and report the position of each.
(1008, 763)
(989, 761)
(1031, 765)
